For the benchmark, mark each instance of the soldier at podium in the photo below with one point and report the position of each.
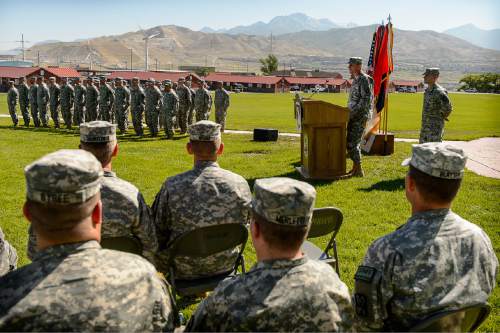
(359, 104)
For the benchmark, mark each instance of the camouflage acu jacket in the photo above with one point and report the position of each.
(435, 261)
(278, 296)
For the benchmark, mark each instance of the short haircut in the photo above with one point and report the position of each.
(434, 189)
(52, 219)
(205, 148)
(281, 237)
(103, 151)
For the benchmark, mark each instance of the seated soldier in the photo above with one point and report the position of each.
(72, 284)
(125, 213)
(284, 291)
(203, 196)
(436, 261)
(8, 255)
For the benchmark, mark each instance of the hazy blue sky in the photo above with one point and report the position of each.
(71, 19)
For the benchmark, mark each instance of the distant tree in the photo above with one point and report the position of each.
(486, 82)
(203, 71)
(269, 64)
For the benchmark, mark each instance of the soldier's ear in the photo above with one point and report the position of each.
(97, 213)
(189, 148)
(26, 212)
(115, 151)
(221, 149)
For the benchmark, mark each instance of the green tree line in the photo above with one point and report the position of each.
(485, 83)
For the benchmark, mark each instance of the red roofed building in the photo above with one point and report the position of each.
(331, 84)
(251, 83)
(158, 76)
(406, 86)
(59, 73)
(15, 73)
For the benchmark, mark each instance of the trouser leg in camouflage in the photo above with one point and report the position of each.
(137, 121)
(431, 134)
(220, 117)
(91, 114)
(54, 114)
(34, 114)
(66, 114)
(203, 114)
(44, 117)
(152, 121)
(161, 120)
(190, 116)
(13, 114)
(183, 113)
(122, 119)
(25, 113)
(168, 124)
(355, 129)
(79, 115)
(105, 113)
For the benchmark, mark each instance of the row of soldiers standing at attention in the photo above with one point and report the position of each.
(436, 261)
(177, 106)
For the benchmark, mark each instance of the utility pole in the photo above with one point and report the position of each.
(22, 41)
(156, 64)
(38, 58)
(130, 59)
(271, 43)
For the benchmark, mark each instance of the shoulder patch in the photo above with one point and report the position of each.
(365, 273)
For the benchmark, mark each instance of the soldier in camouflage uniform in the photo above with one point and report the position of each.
(8, 256)
(12, 96)
(161, 121)
(203, 102)
(153, 98)
(122, 102)
(137, 98)
(91, 100)
(80, 93)
(206, 195)
(54, 91)
(285, 291)
(360, 105)
(73, 284)
(221, 105)
(169, 109)
(436, 109)
(106, 99)
(190, 117)
(184, 104)
(67, 98)
(33, 106)
(436, 261)
(42, 99)
(24, 100)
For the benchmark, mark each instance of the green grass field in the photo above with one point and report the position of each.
(474, 115)
(372, 206)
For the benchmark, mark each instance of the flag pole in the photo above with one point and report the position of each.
(386, 104)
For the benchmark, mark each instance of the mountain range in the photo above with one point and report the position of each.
(485, 38)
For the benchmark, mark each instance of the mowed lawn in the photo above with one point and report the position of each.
(474, 115)
(372, 206)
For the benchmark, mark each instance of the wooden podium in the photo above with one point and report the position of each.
(323, 128)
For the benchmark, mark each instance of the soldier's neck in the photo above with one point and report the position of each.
(107, 167)
(273, 254)
(424, 207)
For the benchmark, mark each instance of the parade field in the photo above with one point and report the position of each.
(473, 116)
(373, 206)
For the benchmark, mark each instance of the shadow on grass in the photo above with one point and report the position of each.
(391, 185)
(50, 130)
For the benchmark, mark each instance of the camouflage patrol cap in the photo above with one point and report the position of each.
(64, 177)
(151, 80)
(97, 131)
(431, 71)
(355, 61)
(181, 79)
(438, 159)
(284, 201)
(52, 78)
(135, 78)
(167, 83)
(118, 78)
(204, 130)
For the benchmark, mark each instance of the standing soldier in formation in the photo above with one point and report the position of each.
(80, 101)
(54, 91)
(33, 92)
(73, 284)
(221, 105)
(67, 99)
(436, 261)
(436, 109)
(24, 100)
(106, 98)
(169, 109)
(137, 98)
(359, 104)
(184, 104)
(91, 100)
(191, 116)
(284, 291)
(42, 99)
(202, 102)
(121, 104)
(12, 97)
(153, 98)
(160, 116)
